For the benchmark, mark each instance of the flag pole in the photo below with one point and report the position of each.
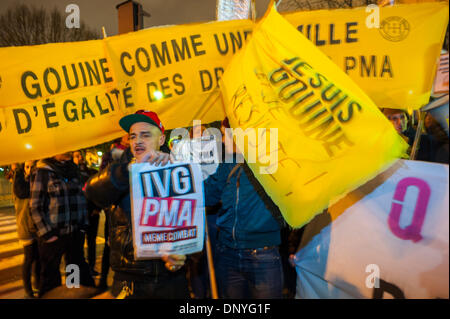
(212, 272)
(104, 32)
(235, 8)
(419, 129)
(253, 10)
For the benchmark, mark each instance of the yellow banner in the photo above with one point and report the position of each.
(331, 138)
(393, 63)
(62, 97)
(392, 55)
(66, 96)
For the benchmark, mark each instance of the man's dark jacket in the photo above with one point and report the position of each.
(111, 188)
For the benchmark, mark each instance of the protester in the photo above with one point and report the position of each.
(434, 129)
(93, 212)
(118, 147)
(9, 174)
(426, 147)
(26, 231)
(103, 283)
(197, 131)
(59, 211)
(197, 264)
(247, 259)
(154, 278)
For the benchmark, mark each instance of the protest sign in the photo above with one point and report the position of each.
(441, 81)
(167, 209)
(331, 137)
(387, 239)
(202, 150)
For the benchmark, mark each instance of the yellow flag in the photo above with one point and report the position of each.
(330, 137)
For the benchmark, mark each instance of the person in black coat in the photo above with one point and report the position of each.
(93, 212)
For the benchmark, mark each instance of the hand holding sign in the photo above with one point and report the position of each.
(174, 262)
(156, 158)
(167, 211)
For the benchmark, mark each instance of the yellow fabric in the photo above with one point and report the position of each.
(42, 113)
(325, 148)
(394, 64)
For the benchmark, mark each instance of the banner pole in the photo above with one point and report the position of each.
(421, 116)
(253, 9)
(104, 32)
(212, 273)
(217, 9)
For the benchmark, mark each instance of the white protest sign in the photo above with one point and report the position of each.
(201, 150)
(387, 239)
(167, 209)
(441, 80)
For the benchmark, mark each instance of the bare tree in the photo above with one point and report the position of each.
(25, 25)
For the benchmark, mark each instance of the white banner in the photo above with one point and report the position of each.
(167, 209)
(387, 239)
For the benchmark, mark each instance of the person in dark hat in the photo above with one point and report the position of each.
(156, 278)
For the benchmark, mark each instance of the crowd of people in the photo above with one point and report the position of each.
(55, 219)
(433, 143)
(58, 202)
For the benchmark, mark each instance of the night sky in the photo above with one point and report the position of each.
(98, 13)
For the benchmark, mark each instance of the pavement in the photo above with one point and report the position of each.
(11, 258)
